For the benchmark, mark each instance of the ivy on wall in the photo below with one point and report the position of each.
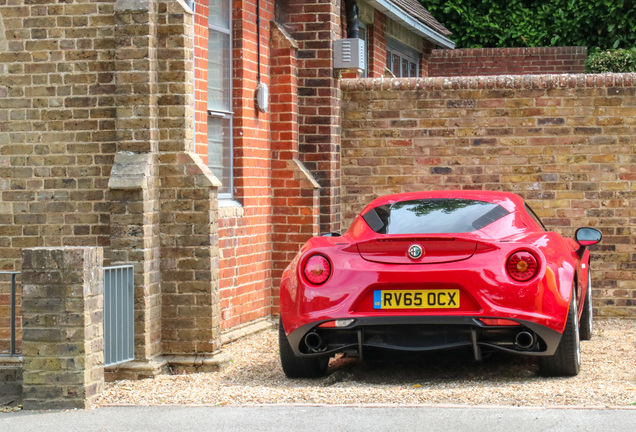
(604, 24)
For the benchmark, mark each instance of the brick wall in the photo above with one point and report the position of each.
(97, 149)
(566, 143)
(11, 380)
(377, 50)
(57, 126)
(315, 24)
(57, 108)
(426, 58)
(295, 192)
(507, 61)
(5, 314)
(244, 226)
(133, 195)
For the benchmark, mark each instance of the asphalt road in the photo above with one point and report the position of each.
(320, 418)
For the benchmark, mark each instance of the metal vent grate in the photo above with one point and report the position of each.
(119, 329)
(349, 54)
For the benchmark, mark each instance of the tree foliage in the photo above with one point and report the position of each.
(604, 24)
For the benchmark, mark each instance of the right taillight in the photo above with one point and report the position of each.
(522, 266)
(317, 269)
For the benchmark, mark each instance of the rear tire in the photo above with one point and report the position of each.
(297, 367)
(586, 317)
(566, 360)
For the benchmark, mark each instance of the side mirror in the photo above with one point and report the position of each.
(331, 234)
(587, 237)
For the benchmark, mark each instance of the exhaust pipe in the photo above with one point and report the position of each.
(524, 340)
(314, 341)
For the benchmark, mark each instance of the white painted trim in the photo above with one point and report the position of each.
(402, 17)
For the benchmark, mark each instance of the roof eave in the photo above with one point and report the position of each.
(400, 16)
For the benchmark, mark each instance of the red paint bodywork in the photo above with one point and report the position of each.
(477, 267)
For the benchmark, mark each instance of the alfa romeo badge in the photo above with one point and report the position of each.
(415, 251)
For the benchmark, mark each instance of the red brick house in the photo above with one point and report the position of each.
(198, 140)
(296, 136)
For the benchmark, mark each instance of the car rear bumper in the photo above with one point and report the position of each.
(423, 333)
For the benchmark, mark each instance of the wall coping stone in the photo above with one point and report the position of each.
(179, 6)
(507, 52)
(201, 169)
(130, 171)
(280, 32)
(493, 82)
(132, 5)
(305, 174)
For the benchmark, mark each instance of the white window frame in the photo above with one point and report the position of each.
(403, 52)
(227, 190)
(365, 31)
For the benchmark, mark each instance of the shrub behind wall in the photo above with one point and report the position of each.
(620, 60)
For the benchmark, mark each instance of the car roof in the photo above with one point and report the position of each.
(507, 200)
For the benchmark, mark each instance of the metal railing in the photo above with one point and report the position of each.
(12, 309)
(119, 297)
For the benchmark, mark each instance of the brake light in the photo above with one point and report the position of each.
(317, 269)
(522, 266)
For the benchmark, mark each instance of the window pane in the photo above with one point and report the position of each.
(405, 68)
(396, 66)
(413, 70)
(219, 66)
(432, 216)
(363, 35)
(407, 65)
(389, 61)
(220, 151)
(219, 13)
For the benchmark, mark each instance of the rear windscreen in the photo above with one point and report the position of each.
(433, 216)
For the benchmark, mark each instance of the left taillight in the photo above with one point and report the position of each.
(317, 269)
(522, 266)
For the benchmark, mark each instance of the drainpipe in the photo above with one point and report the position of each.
(261, 95)
(353, 19)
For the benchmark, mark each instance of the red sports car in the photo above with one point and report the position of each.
(436, 270)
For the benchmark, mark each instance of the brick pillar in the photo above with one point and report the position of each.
(427, 52)
(136, 76)
(189, 208)
(377, 49)
(63, 340)
(133, 191)
(134, 227)
(295, 192)
(315, 24)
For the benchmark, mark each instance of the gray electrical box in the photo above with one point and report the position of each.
(349, 54)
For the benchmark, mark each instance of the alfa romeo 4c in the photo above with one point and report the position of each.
(438, 270)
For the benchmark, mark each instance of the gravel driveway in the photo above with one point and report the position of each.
(607, 378)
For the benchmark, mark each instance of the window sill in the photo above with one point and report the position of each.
(229, 208)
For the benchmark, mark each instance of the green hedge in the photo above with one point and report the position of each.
(604, 24)
(620, 60)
